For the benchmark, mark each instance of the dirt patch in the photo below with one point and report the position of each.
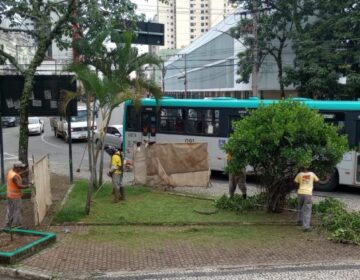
(8, 245)
(59, 186)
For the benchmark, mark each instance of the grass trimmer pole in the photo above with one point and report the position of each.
(78, 170)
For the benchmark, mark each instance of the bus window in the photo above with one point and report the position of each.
(132, 119)
(148, 123)
(211, 122)
(171, 120)
(336, 119)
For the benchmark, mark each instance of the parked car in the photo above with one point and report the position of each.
(8, 121)
(35, 125)
(113, 136)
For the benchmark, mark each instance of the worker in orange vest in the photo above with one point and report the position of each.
(14, 194)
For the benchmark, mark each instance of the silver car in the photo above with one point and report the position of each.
(35, 125)
(113, 136)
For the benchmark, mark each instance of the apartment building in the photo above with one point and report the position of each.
(186, 20)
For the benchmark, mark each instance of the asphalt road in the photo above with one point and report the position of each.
(58, 150)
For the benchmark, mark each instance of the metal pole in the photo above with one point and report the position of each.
(185, 81)
(254, 76)
(163, 77)
(70, 149)
(2, 148)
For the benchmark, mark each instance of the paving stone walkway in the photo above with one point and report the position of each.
(74, 255)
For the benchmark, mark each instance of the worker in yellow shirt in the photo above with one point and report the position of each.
(116, 173)
(305, 180)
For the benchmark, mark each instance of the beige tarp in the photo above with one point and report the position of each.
(172, 164)
(41, 196)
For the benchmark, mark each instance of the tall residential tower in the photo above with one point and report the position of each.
(185, 20)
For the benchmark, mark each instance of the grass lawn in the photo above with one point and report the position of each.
(143, 205)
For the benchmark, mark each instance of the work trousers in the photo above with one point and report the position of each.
(239, 180)
(305, 208)
(117, 184)
(13, 212)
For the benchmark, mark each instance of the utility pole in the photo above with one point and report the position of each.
(163, 77)
(185, 78)
(254, 75)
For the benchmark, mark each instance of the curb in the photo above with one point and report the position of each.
(213, 271)
(24, 273)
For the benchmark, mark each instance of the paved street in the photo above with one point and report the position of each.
(295, 272)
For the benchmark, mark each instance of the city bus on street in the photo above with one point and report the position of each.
(171, 120)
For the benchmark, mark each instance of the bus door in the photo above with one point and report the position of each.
(148, 126)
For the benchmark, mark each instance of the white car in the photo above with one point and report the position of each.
(35, 125)
(113, 136)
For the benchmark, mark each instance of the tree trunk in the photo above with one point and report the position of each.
(24, 113)
(101, 167)
(92, 182)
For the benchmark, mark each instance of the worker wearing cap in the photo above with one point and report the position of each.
(116, 173)
(14, 194)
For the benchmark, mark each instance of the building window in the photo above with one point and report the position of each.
(202, 18)
(202, 30)
(202, 24)
(202, 5)
(192, 30)
(192, 23)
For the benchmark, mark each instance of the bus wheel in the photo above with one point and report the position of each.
(328, 182)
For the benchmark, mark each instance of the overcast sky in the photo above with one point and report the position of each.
(147, 7)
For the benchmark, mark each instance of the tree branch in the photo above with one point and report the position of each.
(12, 60)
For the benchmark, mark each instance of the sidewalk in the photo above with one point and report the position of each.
(73, 256)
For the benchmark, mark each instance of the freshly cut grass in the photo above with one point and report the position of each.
(143, 205)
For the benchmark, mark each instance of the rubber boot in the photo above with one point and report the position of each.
(122, 193)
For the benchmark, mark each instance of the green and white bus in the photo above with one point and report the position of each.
(173, 120)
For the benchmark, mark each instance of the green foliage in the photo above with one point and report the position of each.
(240, 204)
(343, 226)
(324, 54)
(280, 138)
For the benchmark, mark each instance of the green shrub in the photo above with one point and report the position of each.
(240, 204)
(342, 226)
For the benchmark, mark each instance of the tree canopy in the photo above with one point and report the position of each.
(277, 140)
(323, 36)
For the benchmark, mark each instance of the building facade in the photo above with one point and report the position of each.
(208, 67)
(23, 48)
(186, 20)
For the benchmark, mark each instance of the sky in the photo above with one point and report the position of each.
(147, 7)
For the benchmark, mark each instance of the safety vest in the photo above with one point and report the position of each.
(13, 191)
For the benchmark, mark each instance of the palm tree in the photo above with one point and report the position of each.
(111, 84)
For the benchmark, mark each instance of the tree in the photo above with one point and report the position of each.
(278, 139)
(276, 23)
(48, 19)
(111, 84)
(328, 48)
(116, 65)
(46, 22)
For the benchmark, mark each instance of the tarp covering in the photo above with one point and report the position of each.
(41, 197)
(172, 164)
